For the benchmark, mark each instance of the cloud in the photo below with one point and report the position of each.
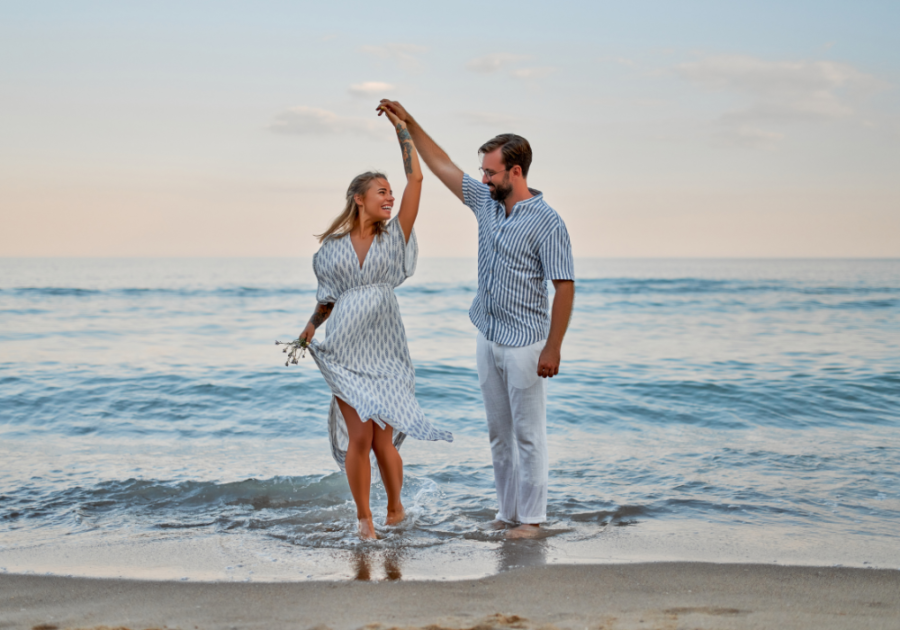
(783, 91)
(321, 122)
(370, 88)
(622, 61)
(532, 73)
(406, 55)
(490, 119)
(749, 137)
(779, 93)
(494, 62)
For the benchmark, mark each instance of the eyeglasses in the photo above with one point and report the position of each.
(489, 174)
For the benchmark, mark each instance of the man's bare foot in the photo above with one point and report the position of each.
(496, 525)
(524, 531)
(395, 517)
(366, 529)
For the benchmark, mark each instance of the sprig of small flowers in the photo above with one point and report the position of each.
(295, 349)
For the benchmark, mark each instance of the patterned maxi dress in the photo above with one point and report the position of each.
(364, 357)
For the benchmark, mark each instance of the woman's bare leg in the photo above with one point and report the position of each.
(391, 466)
(359, 471)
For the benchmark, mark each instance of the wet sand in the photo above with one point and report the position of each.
(652, 595)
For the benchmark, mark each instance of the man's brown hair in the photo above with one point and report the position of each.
(515, 150)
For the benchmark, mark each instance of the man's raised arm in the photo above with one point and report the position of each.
(435, 157)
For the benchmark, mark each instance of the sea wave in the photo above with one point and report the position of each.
(150, 399)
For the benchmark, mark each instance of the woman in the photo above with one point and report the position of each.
(364, 358)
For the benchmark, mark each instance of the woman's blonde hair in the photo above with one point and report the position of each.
(349, 218)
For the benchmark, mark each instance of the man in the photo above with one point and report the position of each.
(522, 243)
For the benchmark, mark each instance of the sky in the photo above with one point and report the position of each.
(659, 128)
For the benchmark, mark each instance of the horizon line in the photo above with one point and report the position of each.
(239, 257)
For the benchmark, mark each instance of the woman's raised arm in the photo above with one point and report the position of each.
(409, 204)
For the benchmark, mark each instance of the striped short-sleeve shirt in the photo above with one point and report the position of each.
(517, 254)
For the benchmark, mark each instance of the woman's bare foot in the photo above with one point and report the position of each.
(524, 531)
(366, 529)
(395, 517)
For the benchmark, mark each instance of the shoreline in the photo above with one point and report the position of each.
(216, 557)
(646, 595)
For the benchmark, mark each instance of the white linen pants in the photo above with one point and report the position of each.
(515, 400)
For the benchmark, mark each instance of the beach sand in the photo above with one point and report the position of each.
(651, 595)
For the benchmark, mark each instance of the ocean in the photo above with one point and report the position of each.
(715, 410)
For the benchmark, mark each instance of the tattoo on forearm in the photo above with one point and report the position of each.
(407, 158)
(406, 146)
(320, 314)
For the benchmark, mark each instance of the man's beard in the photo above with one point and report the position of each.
(501, 192)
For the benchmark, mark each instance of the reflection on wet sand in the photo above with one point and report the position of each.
(515, 554)
(364, 559)
(369, 565)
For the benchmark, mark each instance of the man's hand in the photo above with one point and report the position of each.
(393, 107)
(548, 363)
(390, 115)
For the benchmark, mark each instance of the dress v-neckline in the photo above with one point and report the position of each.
(362, 262)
